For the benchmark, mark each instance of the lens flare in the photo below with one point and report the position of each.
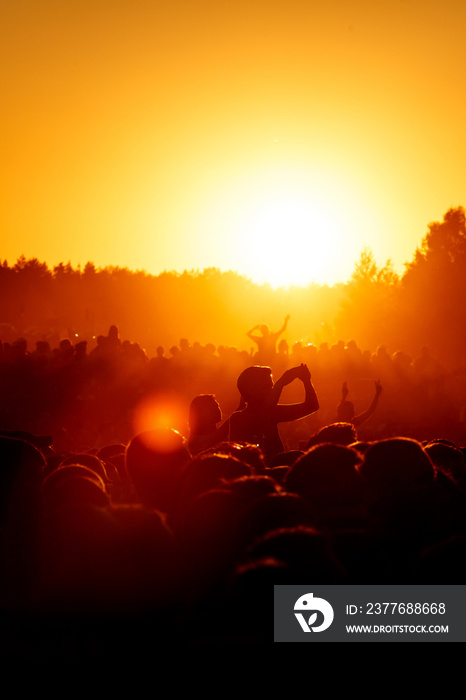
(163, 417)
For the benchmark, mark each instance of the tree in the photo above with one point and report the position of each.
(434, 287)
(444, 243)
(368, 311)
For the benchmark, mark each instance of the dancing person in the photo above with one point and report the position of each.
(267, 341)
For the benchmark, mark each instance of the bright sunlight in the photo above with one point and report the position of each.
(290, 227)
(290, 240)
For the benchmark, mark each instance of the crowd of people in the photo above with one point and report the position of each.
(294, 464)
(86, 395)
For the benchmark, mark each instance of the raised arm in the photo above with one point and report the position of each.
(283, 328)
(286, 378)
(250, 333)
(290, 412)
(362, 417)
(344, 394)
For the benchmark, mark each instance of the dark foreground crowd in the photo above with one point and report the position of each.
(172, 539)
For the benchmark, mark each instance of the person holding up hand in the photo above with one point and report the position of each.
(345, 409)
(258, 422)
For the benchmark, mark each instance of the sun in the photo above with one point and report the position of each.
(290, 238)
(291, 227)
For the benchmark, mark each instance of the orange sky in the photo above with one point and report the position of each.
(274, 138)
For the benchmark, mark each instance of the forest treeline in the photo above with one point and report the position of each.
(424, 306)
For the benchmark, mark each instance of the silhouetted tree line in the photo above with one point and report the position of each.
(422, 307)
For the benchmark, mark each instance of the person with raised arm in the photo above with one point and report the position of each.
(258, 422)
(345, 409)
(266, 342)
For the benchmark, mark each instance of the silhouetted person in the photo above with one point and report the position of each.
(42, 354)
(80, 350)
(160, 359)
(204, 415)
(206, 472)
(66, 350)
(327, 477)
(267, 341)
(394, 467)
(336, 433)
(258, 422)
(73, 484)
(155, 460)
(114, 337)
(345, 409)
(448, 458)
(246, 452)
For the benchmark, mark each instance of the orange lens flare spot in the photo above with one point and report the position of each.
(157, 415)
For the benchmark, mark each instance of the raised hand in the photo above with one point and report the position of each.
(303, 372)
(290, 375)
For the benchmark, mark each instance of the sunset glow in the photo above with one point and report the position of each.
(287, 239)
(291, 227)
(160, 137)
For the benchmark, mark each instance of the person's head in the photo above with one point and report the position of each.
(87, 460)
(326, 470)
(154, 461)
(66, 346)
(448, 458)
(244, 451)
(264, 329)
(113, 333)
(395, 466)
(73, 484)
(255, 383)
(204, 413)
(341, 433)
(206, 472)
